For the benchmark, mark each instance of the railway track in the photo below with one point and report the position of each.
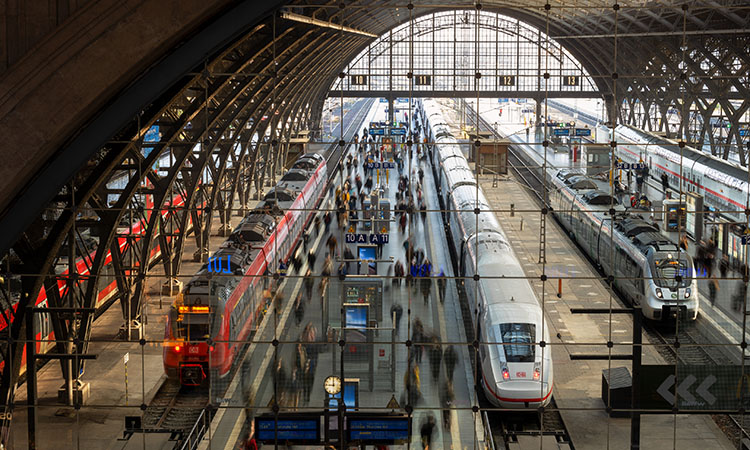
(513, 430)
(175, 408)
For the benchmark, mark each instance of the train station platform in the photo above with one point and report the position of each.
(379, 384)
(577, 390)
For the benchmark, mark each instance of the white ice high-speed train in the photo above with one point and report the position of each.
(516, 371)
(723, 184)
(648, 268)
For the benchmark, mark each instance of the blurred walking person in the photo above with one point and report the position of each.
(446, 402)
(450, 358)
(436, 355)
(426, 431)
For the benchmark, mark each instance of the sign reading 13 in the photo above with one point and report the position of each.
(570, 80)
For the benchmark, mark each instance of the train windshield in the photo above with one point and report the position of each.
(192, 326)
(667, 270)
(518, 339)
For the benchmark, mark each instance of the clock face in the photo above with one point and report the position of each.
(333, 385)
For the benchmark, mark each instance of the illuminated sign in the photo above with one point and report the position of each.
(561, 132)
(423, 80)
(220, 265)
(192, 309)
(362, 238)
(292, 429)
(378, 430)
(570, 80)
(583, 132)
(630, 166)
(358, 80)
(383, 165)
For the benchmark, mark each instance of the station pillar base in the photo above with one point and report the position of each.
(135, 332)
(225, 230)
(201, 255)
(171, 287)
(81, 393)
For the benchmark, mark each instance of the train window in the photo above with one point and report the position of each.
(666, 271)
(193, 327)
(517, 339)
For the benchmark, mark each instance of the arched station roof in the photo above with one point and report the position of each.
(228, 82)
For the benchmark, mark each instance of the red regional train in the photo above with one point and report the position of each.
(225, 299)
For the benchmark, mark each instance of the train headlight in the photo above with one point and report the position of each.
(177, 348)
(536, 374)
(506, 375)
(658, 293)
(687, 293)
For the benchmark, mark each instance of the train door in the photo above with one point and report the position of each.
(571, 213)
(609, 249)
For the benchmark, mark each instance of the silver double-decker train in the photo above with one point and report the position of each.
(647, 268)
(516, 371)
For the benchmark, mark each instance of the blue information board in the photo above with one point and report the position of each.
(293, 429)
(561, 132)
(583, 132)
(378, 430)
(377, 131)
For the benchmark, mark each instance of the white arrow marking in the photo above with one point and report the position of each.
(664, 389)
(704, 392)
(682, 389)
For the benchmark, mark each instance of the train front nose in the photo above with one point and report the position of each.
(522, 394)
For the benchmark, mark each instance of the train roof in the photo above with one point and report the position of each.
(458, 173)
(564, 174)
(296, 174)
(281, 193)
(581, 182)
(309, 161)
(655, 240)
(256, 226)
(633, 226)
(448, 151)
(599, 198)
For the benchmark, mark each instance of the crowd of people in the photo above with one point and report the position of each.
(294, 371)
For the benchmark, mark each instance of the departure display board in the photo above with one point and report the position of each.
(296, 430)
(378, 430)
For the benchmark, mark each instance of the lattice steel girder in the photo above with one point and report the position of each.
(189, 209)
(58, 235)
(689, 98)
(255, 112)
(537, 95)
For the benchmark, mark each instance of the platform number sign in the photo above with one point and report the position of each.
(423, 80)
(571, 80)
(507, 80)
(358, 80)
